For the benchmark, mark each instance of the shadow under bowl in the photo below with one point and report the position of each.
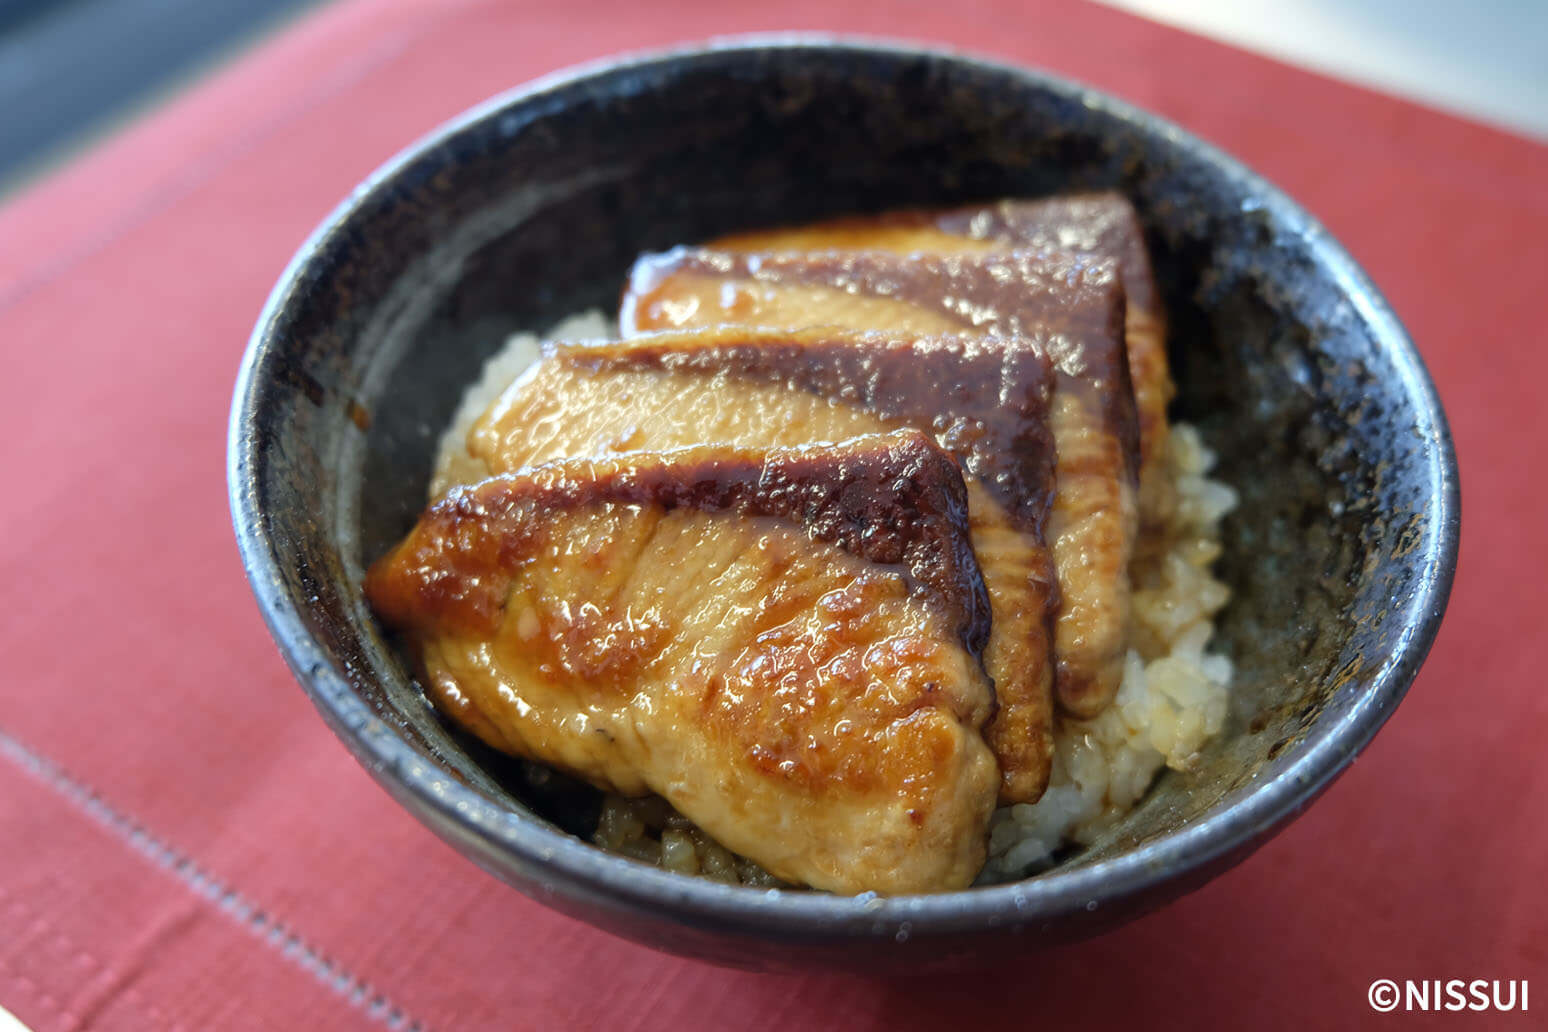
(534, 205)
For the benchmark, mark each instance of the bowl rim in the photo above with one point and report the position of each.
(504, 842)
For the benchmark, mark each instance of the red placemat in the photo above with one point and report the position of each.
(184, 845)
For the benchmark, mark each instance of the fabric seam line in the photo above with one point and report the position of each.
(355, 991)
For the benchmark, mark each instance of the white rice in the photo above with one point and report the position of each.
(1173, 695)
(1172, 699)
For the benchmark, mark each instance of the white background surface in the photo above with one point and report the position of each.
(1486, 59)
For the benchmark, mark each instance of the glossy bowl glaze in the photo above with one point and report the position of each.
(533, 206)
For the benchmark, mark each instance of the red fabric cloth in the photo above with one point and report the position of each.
(184, 845)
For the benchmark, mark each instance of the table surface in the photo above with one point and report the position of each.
(1479, 59)
(184, 845)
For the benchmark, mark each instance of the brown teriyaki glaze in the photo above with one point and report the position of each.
(893, 500)
(1072, 304)
(1103, 225)
(985, 400)
(783, 643)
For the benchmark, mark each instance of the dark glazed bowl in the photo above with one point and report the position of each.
(533, 206)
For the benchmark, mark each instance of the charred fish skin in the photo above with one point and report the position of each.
(1074, 304)
(984, 400)
(894, 499)
(987, 397)
(780, 642)
(1102, 224)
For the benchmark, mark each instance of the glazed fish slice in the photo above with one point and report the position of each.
(985, 401)
(1103, 225)
(1071, 304)
(785, 644)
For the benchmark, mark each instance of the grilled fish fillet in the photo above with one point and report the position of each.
(1104, 225)
(783, 643)
(985, 401)
(1072, 305)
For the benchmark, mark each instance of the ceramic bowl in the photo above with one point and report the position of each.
(533, 205)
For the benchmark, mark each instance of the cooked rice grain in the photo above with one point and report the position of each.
(1173, 695)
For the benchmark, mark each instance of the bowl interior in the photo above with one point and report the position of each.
(533, 209)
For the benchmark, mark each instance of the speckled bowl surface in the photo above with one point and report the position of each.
(533, 206)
